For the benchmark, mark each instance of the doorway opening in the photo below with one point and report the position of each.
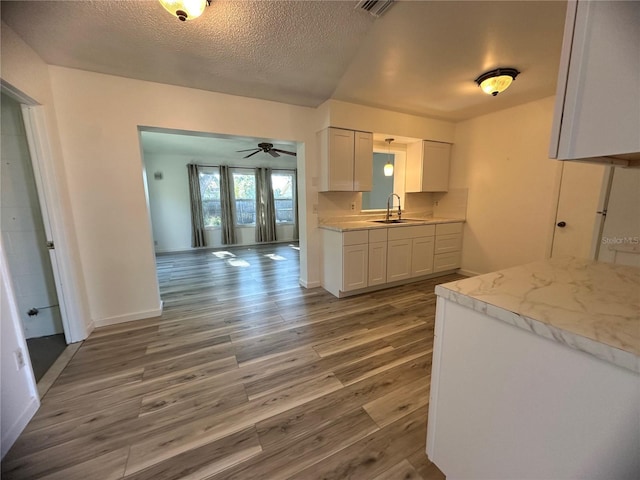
(254, 172)
(24, 235)
(166, 156)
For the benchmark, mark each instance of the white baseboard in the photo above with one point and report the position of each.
(91, 327)
(468, 273)
(10, 435)
(313, 284)
(129, 317)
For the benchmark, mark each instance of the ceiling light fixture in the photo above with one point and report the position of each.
(388, 168)
(185, 9)
(496, 81)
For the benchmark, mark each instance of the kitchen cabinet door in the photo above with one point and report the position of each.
(363, 162)
(336, 159)
(428, 166)
(422, 256)
(355, 267)
(377, 263)
(346, 160)
(398, 259)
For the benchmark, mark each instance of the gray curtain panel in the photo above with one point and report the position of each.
(197, 219)
(265, 207)
(296, 232)
(227, 206)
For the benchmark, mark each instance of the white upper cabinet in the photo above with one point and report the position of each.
(597, 111)
(346, 160)
(363, 162)
(428, 166)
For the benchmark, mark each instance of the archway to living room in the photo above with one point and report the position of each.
(223, 212)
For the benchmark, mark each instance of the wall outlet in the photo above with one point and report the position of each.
(353, 206)
(19, 356)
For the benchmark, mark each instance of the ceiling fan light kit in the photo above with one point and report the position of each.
(266, 148)
(185, 9)
(496, 81)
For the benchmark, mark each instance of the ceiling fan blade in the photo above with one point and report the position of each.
(284, 151)
(273, 152)
(248, 150)
(252, 154)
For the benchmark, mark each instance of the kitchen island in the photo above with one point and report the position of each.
(536, 373)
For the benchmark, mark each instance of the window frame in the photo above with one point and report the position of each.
(292, 174)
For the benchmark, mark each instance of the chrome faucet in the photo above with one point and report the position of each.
(390, 199)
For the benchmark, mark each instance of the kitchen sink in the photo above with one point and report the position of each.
(404, 220)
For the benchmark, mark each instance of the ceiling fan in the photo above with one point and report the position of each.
(266, 148)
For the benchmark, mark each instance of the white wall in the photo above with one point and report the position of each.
(22, 229)
(98, 117)
(18, 395)
(170, 209)
(502, 159)
(621, 233)
(394, 124)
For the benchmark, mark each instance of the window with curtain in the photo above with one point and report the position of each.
(244, 186)
(283, 184)
(210, 192)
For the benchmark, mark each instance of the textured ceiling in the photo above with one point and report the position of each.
(420, 57)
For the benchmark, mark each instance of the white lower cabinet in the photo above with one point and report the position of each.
(359, 259)
(410, 252)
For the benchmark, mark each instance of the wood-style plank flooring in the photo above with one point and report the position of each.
(246, 375)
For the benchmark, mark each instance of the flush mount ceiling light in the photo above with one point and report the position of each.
(388, 168)
(496, 81)
(185, 9)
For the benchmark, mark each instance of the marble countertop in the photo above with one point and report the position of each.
(589, 306)
(368, 224)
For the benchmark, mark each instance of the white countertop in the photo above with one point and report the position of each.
(368, 224)
(589, 306)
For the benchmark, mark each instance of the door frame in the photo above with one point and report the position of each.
(72, 303)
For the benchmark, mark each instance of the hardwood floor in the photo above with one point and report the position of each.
(245, 376)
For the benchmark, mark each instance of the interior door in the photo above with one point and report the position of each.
(581, 198)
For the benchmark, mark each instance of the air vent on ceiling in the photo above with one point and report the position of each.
(374, 7)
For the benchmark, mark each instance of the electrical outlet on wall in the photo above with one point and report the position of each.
(353, 206)
(19, 356)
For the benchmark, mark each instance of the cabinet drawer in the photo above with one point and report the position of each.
(448, 228)
(378, 235)
(402, 233)
(446, 261)
(448, 243)
(356, 237)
